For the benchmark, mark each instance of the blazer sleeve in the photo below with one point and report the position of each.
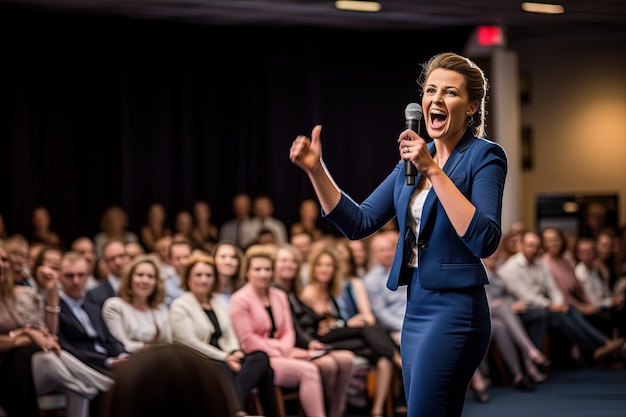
(358, 221)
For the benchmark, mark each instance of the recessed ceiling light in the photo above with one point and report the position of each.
(358, 6)
(543, 8)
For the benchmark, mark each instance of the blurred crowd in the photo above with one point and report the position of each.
(260, 309)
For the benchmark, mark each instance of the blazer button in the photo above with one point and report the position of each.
(422, 244)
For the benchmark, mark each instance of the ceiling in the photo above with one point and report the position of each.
(597, 18)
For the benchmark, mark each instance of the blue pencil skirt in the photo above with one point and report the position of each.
(444, 338)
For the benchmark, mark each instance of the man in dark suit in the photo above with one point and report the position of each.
(115, 258)
(82, 330)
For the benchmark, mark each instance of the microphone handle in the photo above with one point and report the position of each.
(409, 169)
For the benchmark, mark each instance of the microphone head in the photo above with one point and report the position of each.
(413, 111)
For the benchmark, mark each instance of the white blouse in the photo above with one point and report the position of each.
(414, 220)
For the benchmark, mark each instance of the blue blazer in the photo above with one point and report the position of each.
(445, 260)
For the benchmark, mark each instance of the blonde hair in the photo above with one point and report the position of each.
(125, 292)
(195, 259)
(258, 251)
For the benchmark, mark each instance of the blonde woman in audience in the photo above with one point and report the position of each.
(262, 320)
(329, 321)
(138, 317)
(200, 320)
(337, 366)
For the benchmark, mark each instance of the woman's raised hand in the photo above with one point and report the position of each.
(307, 153)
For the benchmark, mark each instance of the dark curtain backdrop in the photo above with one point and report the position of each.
(96, 110)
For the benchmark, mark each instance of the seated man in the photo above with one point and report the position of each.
(82, 330)
(388, 306)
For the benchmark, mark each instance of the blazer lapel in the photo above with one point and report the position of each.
(453, 161)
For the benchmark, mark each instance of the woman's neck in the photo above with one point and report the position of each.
(141, 303)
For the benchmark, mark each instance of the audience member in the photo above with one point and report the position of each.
(239, 228)
(263, 210)
(45, 294)
(183, 228)
(596, 285)
(82, 331)
(606, 251)
(170, 380)
(115, 258)
(204, 231)
(154, 227)
(261, 317)
(388, 306)
(347, 302)
(17, 246)
(84, 245)
(336, 367)
(528, 279)
(562, 266)
(137, 317)
(359, 249)
(179, 253)
(201, 321)
(303, 242)
(17, 388)
(309, 213)
(114, 226)
(41, 232)
(133, 249)
(228, 259)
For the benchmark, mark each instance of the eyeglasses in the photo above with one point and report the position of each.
(114, 257)
(17, 254)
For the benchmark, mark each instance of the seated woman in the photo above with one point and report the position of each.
(337, 366)
(228, 257)
(326, 319)
(200, 320)
(138, 317)
(24, 334)
(262, 320)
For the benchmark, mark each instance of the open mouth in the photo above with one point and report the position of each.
(437, 118)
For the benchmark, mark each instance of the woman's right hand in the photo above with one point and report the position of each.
(307, 153)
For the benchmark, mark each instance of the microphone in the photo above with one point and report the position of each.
(413, 115)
